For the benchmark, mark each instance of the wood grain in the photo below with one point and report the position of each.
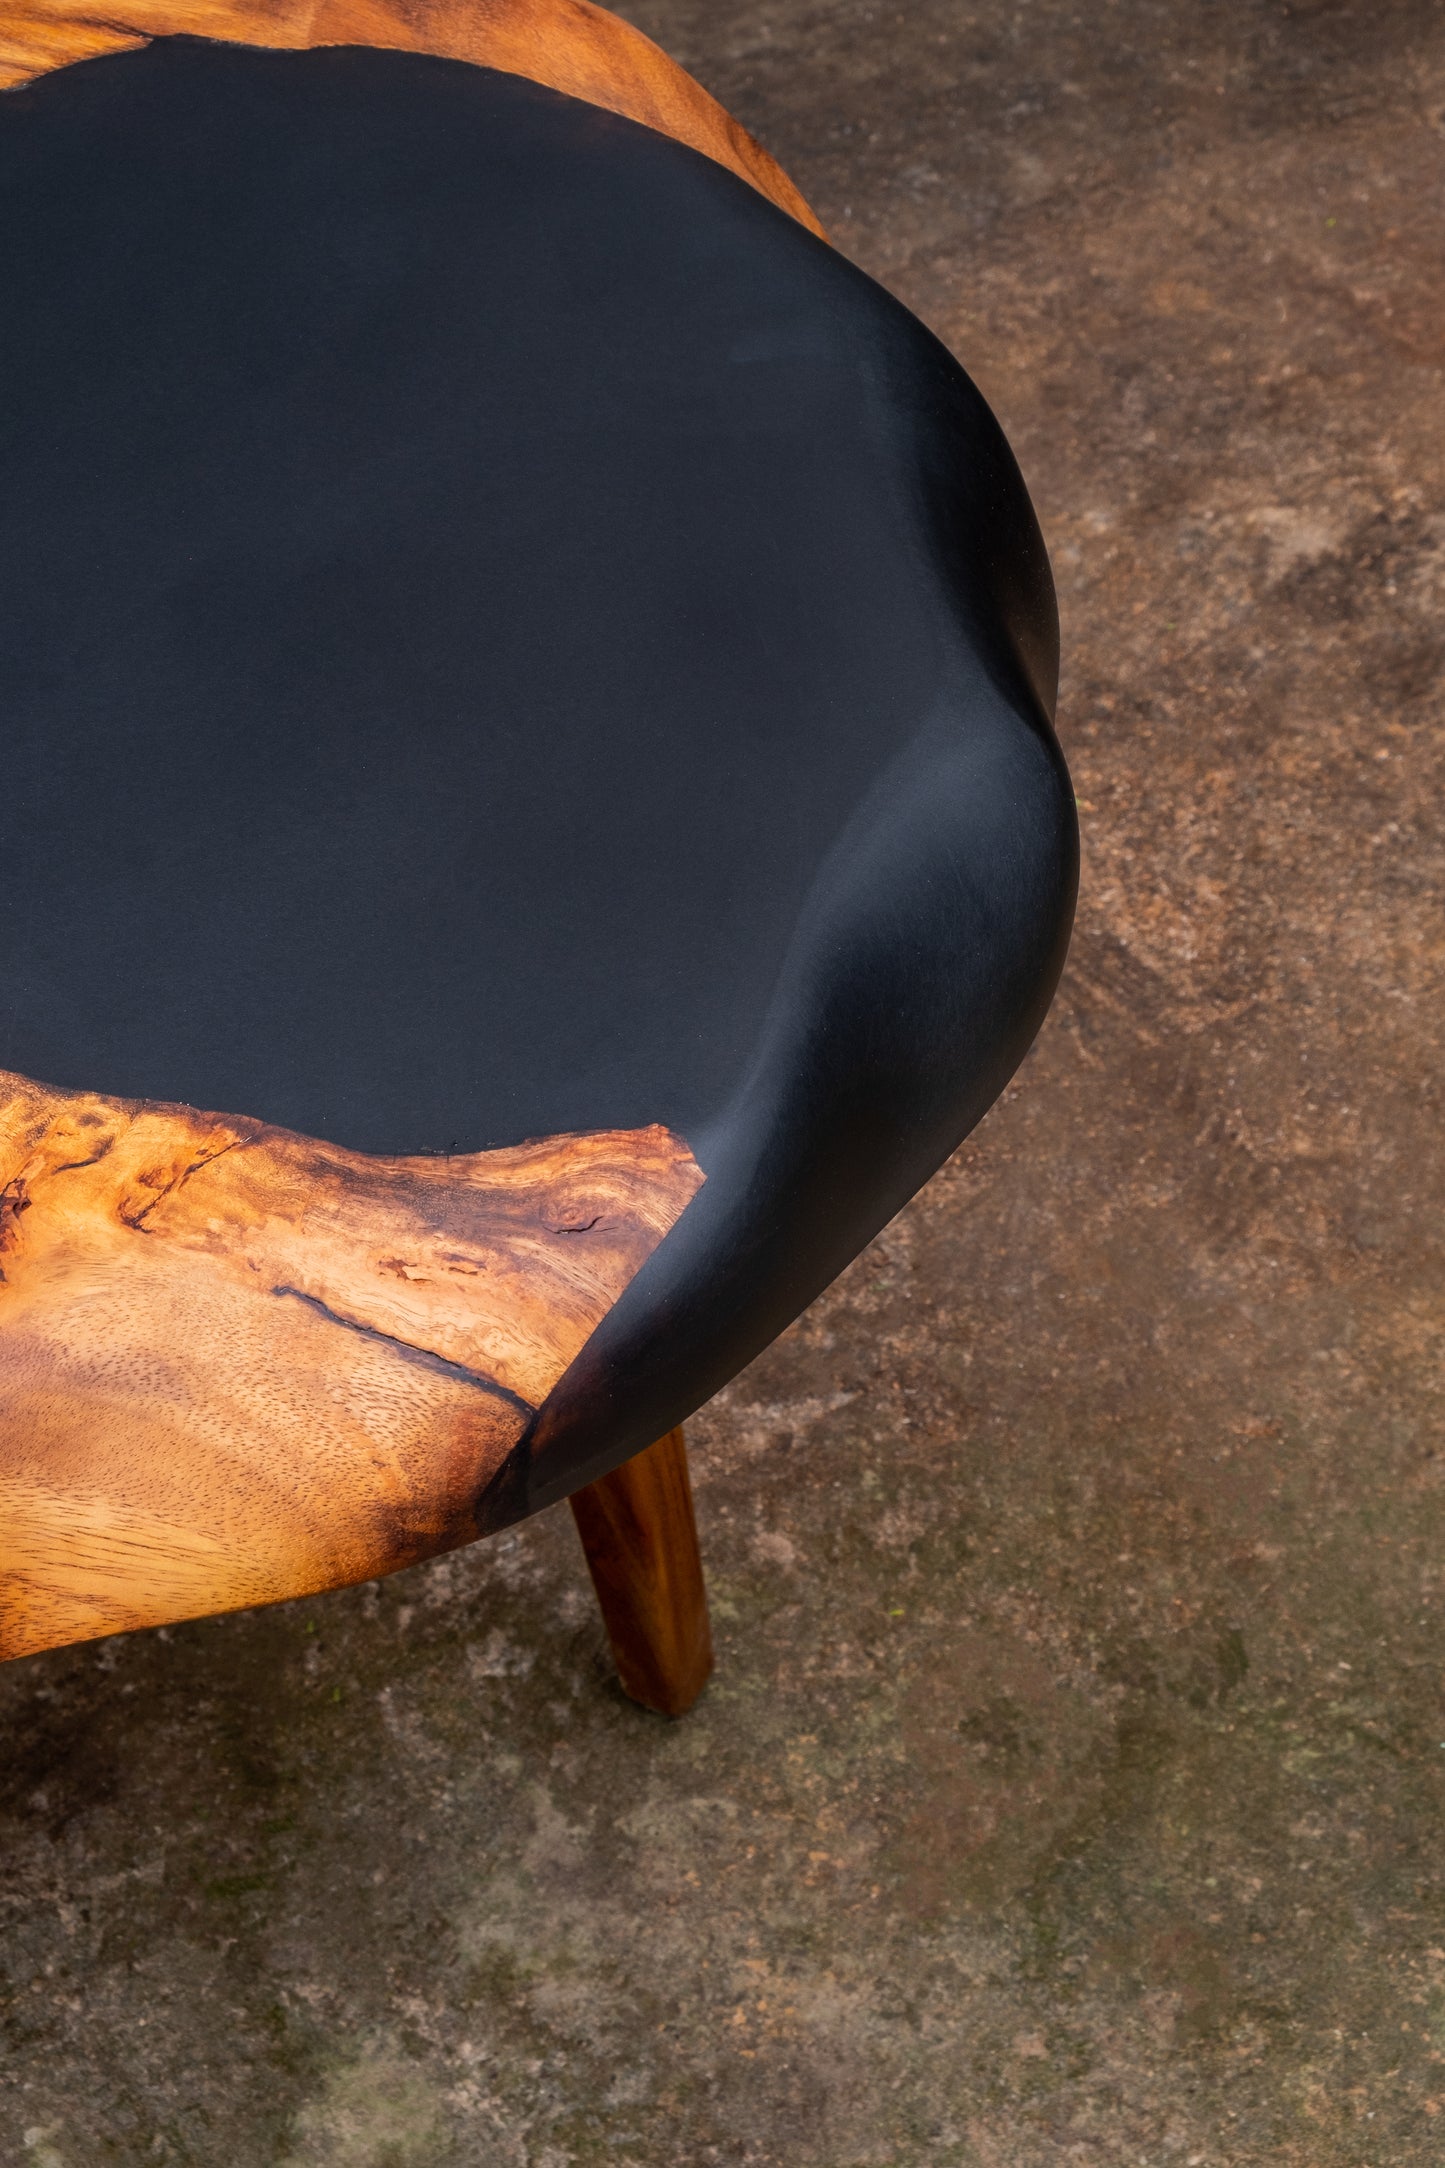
(237, 1365)
(640, 1539)
(567, 44)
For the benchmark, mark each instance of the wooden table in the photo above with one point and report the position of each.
(528, 683)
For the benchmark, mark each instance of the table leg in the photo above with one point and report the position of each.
(640, 1539)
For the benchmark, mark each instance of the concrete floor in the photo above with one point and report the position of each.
(1072, 1788)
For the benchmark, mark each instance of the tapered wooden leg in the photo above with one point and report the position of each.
(638, 1532)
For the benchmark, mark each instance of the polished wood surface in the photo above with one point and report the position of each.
(237, 1365)
(640, 1539)
(567, 44)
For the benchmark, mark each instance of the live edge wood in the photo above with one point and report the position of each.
(567, 44)
(238, 1365)
(640, 1539)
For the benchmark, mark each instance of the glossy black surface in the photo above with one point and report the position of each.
(503, 633)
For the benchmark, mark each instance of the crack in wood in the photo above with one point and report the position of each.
(412, 1353)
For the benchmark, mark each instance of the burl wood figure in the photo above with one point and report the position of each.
(526, 687)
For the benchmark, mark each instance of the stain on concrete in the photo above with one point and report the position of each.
(373, 2110)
